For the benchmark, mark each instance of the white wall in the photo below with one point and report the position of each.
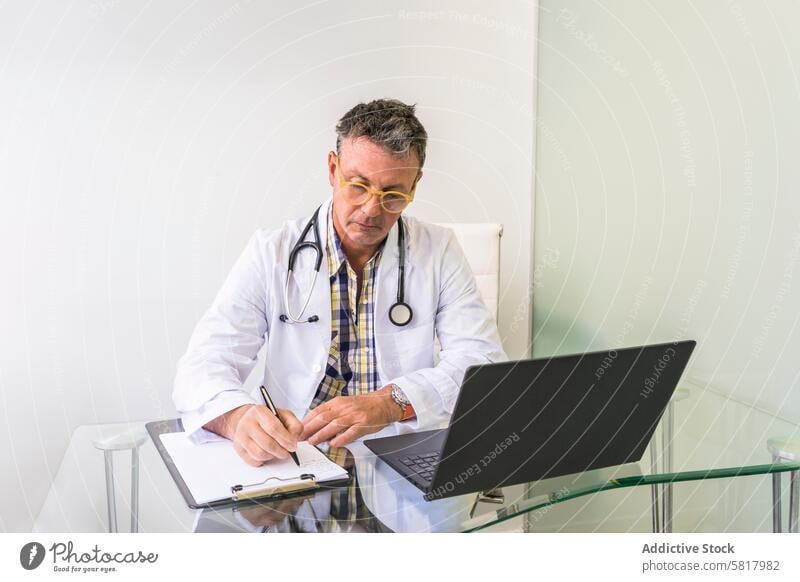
(667, 207)
(142, 143)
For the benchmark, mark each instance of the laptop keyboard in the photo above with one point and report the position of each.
(423, 465)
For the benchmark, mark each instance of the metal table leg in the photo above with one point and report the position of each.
(121, 437)
(135, 490)
(794, 497)
(667, 432)
(785, 449)
(110, 496)
(655, 492)
(776, 500)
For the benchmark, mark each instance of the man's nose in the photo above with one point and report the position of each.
(372, 207)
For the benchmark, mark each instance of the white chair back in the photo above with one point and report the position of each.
(481, 245)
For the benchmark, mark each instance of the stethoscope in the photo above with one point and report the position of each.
(400, 312)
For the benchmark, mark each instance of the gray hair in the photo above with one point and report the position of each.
(388, 123)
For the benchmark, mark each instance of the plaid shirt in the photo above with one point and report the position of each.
(352, 367)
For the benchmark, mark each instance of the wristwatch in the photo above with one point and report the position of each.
(400, 399)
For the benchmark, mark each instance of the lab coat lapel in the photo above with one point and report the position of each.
(303, 277)
(386, 294)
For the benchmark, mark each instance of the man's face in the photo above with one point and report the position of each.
(361, 160)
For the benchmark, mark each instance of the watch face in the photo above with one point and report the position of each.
(399, 397)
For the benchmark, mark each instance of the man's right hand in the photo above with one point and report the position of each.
(257, 435)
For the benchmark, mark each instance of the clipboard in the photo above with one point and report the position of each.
(241, 493)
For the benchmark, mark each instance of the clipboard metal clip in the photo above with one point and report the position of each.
(307, 482)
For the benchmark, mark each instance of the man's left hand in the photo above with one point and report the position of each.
(343, 419)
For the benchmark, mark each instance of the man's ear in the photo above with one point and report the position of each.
(416, 181)
(332, 168)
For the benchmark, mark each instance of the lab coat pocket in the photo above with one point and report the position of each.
(403, 351)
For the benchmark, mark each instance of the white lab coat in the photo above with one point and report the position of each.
(439, 287)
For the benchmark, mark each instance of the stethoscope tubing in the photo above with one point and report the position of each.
(316, 246)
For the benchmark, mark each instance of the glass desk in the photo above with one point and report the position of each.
(376, 500)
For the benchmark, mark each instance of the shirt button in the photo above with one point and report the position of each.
(317, 368)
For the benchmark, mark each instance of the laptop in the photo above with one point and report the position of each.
(526, 420)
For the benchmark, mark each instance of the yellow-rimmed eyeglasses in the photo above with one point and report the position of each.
(357, 194)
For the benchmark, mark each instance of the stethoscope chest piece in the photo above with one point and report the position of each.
(400, 314)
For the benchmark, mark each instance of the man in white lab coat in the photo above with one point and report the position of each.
(350, 330)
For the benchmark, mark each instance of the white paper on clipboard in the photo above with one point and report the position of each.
(212, 468)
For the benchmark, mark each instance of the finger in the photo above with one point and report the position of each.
(264, 444)
(329, 431)
(317, 424)
(241, 445)
(262, 453)
(314, 422)
(291, 422)
(325, 413)
(315, 411)
(273, 427)
(329, 407)
(246, 456)
(243, 454)
(348, 436)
